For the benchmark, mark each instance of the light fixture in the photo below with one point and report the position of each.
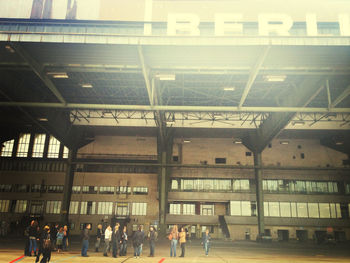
(187, 141)
(229, 88)
(298, 123)
(339, 143)
(9, 49)
(86, 85)
(237, 141)
(284, 142)
(165, 76)
(43, 119)
(275, 78)
(58, 75)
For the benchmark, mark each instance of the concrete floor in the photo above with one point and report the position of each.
(221, 251)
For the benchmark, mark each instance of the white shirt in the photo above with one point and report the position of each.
(108, 234)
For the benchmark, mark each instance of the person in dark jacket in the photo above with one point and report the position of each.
(99, 234)
(137, 240)
(152, 237)
(53, 233)
(123, 242)
(206, 241)
(85, 245)
(115, 240)
(33, 236)
(44, 246)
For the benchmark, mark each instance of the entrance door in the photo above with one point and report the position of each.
(301, 235)
(283, 235)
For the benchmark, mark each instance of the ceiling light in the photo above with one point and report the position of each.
(58, 75)
(187, 141)
(86, 85)
(275, 78)
(165, 76)
(9, 49)
(298, 123)
(339, 143)
(237, 141)
(229, 88)
(284, 142)
(43, 119)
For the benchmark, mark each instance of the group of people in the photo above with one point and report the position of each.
(116, 239)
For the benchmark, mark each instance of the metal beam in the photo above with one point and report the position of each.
(171, 108)
(253, 74)
(341, 97)
(39, 70)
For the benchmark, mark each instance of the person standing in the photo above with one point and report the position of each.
(65, 238)
(59, 239)
(98, 237)
(123, 242)
(44, 246)
(108, 239)
(173, 237)
(152, 237)
(85, 245)
(115, 240)
(182, 240)
(53, 235)
(33, 234)
(137, 240)
(206, 241)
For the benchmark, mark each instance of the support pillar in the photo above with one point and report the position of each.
(259, 192)
(68, 184)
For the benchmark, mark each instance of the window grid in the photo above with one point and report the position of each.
(207, 210)
(175, 209)
(106, 190)
(76, 189)
(7, 149)
(139, 209)
(123, 190)
(4, 206)
(188, 209)
(39, 145)
(122, 209)
(105, 208)
(55, 189)
(5, 187)
(54, 148)
(65, 152)
(73, 207)
(23, 145)
(53, 207)
(21, 206)
(140, 190)
(87, 208)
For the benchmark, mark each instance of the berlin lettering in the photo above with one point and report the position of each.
(232, 24)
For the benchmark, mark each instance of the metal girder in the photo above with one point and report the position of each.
(274, 124)
(39, 70)
(152, 95)
(253, 74)
(341, 97)
(172, 108)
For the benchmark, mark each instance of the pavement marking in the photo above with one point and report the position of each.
(126, 259)
(160, 261)
(17, 259)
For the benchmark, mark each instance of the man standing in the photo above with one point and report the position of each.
(115, 240)
(152, 236)
(85, 235)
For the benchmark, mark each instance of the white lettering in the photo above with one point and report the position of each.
(227, 23)
(344, 24)
(278, 24)
(183, 24)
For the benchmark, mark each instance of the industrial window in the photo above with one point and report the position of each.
(18, 206)
(207, 210)
(175, 209)
(347, 189)
(5, 187)
(23, 145)
(36, 207)
(7, 148)
(139, 209)
(65, 152)
(38, 188)
(313, 210)
(107, 190)
(87, 208)
(302, 209)
(53, 207)
(89, 189)
(332, 187)
(122, 209)
(73, 207)
(175, 184)
(123, 190)
(285, 209)
(220, 160)
(76, 189)
(246, 208)
(188, 209)
(54, 148)
(55, 189)
(324, 210)
(139, 190)
(22, 188)
(274, 209)
(4, 206)
(241, 185)
(39, 145)
(105, 208)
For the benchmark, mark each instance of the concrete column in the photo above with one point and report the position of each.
(162, 194)
(68, 183)
(259, 192)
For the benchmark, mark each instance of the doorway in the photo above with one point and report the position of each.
(283, 235)
(301, 235)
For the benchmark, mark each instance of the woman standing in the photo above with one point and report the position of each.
(33, 235)
(65, 238)
(98, 237)
(108, 239)
(182, 240)
(173, 237)
(59, 239)
(206, 241)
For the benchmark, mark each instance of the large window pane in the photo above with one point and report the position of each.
(302, 209)
(313, 210)
(139, 209)
(274, 209)
(266, 209)
(105, 208)
(324, 210)
(7, 148)
(285, 209)
(23, 145)
(175, 209)
(246, 208)
(235, 208)
(293, 207)
(39, 145)
(54, 148)
(188, 209)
